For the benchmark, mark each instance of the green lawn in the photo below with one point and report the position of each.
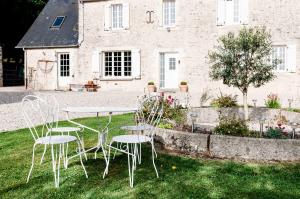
(180, 177)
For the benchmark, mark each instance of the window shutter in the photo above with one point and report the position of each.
(136, 63)
(107, 17)
(221, 6)
(126, 18)
(96, 62)
(244, 11)
(291, 58)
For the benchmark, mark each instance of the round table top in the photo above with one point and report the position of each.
(99, 109)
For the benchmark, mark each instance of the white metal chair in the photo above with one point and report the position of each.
(130, 142)
(52, 101)
(38, 111)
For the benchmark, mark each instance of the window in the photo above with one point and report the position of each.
(64, 64)
(58, 22)
(169, 14)
(172, 63)
(118, 64)
(232, 12)
(117, 16)
(279, 53)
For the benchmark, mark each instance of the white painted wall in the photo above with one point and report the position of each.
(193, 36)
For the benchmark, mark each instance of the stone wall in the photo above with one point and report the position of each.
(193, 36)
(228, 147)
(1, 67)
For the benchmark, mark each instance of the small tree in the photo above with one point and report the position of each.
(244, 60)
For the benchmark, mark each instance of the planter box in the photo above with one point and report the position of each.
(183, 142)
(254, 148)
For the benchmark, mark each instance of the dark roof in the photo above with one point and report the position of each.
(41, 35)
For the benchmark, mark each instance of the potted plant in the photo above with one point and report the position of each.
(151, 87)
(183, 86)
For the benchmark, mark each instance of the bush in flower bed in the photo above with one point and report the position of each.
(233, 126)
(276, 132)
(174, 114)
(273, 101)
(224, 101)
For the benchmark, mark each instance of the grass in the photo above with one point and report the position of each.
(180, 177)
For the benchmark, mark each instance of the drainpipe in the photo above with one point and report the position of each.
(25, 68)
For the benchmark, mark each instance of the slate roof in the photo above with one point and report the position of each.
(41, 35)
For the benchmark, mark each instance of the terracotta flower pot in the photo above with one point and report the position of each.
(184, 88)
(151, 88)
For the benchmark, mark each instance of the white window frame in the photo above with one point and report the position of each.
(169, 13)
(277, 47)
(117, 15)
(64, 64)
(232, 12)
(113, 77)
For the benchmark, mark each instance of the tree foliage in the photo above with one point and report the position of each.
(243, 60)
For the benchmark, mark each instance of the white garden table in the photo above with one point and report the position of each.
(102, 132)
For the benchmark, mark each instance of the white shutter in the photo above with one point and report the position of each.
(136, 63)
(291, 58)
(126, 15)
(244, 11)
(96, 62)
(221, 17)
(107, 17)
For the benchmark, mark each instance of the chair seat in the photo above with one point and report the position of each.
(56, 139)
(143, 127)
(131, 139)
(65, 129)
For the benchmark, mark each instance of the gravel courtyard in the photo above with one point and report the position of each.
(10, 103)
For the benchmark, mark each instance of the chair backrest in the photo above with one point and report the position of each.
(153, 110)
(37, 111)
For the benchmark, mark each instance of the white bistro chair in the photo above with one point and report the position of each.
(131, 144)
(38, 111)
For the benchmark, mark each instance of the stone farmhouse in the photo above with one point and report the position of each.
(124, 44)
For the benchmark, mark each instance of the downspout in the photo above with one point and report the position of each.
(82, 6)
(25, 68)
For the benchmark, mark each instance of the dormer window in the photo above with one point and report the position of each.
(59, 20)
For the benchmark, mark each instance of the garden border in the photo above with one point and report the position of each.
(221, 146)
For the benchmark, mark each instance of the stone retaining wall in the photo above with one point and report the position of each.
(220, 146)
(211, 115)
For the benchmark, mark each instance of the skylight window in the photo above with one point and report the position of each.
(58, 22)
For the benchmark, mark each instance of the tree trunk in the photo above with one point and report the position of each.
(246, 109)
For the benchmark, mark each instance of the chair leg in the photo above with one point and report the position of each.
(55, 166)
(32, 163)
(153, 150)
(107, 160)
(81, 143)
(116, 150)
(132, 167)
(78, 143)
(45, 149)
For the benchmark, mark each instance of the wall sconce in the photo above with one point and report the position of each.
(254, 102)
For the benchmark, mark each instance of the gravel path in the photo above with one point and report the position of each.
(10, 103)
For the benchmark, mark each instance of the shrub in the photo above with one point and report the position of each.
(224, 101)
(273, 101)
(233, 126)
(276, 133)
(205, 96)
(174, 114)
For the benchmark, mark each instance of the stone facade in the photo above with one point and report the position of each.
(1, 67)
(195, 33)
